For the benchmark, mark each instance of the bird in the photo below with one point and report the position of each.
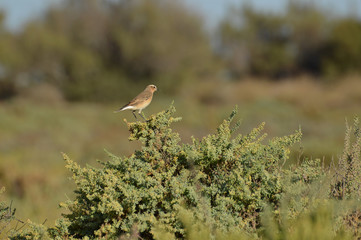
(140, 102)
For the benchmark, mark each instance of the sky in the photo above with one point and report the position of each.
(18, 12)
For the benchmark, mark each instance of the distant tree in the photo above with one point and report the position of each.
(309, 27)
(343, 49)
(273, 45)
(92, 49)
(254, 43)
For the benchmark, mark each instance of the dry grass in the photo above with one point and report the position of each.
(317, 107)
(304, 92)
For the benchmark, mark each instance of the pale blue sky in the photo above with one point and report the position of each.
(20, 11)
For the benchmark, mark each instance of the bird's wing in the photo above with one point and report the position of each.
(143, 96)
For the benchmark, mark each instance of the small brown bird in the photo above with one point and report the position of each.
(141, 101)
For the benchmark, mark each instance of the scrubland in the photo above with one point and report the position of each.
(36, 129)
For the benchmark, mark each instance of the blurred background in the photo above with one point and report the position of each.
(66, 65)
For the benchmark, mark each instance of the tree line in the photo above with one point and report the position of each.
(93, 50)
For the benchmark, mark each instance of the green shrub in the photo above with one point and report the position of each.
(218, 187)
(305, 188)
(346, 183)
(318, 223)
(242, 174)
(232, 179)
(31, 231)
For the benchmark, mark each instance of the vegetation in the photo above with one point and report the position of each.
(303, 40)
(36, 128)
(229, 185)
(61, 74)
(6, 216)
(154, 182)
(92, 51)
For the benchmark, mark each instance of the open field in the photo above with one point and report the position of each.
(34, 132)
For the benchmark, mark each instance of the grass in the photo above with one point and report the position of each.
(34, 132)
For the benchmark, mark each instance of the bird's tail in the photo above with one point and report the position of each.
(122, 108)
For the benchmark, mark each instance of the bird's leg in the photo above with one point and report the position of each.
(134, 114)
(142, 115)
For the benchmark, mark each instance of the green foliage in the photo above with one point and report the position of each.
(32, 231)
(223, 186)
(231, 177)
(316, 223)
(346, 182)
(91, 50)
(10, 58)
(242, 174)
(102, 50)
(274, 45)
(303, 39)
(305, 188)
(199, 229)
(343, 50)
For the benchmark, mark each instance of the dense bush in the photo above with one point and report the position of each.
(220, 186)
(234, 178)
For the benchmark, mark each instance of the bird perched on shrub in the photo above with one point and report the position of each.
(141, 101)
